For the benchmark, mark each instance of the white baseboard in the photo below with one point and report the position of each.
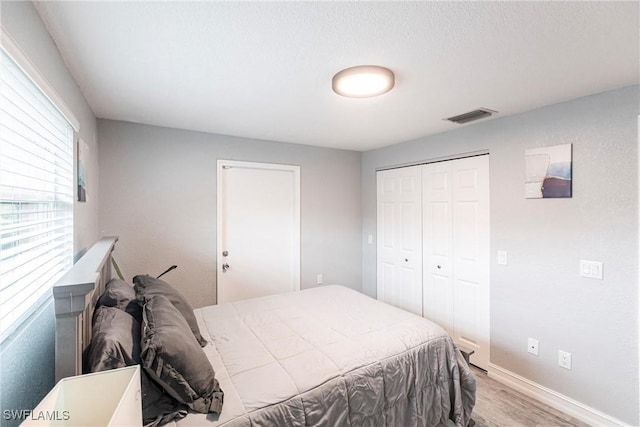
(552, 398)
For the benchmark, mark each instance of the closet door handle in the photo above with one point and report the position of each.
(225, 267)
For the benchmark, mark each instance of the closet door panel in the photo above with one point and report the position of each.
(470, 204)
(399, 241)
(437, 244)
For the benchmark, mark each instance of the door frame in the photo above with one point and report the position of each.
(226, 164)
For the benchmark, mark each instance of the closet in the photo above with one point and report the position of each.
(433, 246)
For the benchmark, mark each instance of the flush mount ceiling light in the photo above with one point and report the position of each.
(363, 81)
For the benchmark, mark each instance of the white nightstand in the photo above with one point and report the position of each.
(109, 398)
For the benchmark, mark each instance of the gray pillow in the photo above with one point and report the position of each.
(173, 358)
(158, 408)
(147, 286)
(115, 343)
(121, 295)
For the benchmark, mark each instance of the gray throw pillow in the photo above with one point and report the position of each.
(147, 286)
(158, 408)
(115, 343)
(173, 358)
(121, 295)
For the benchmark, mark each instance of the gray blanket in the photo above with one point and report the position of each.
(331, 356)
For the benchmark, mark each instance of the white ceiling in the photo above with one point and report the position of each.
(263, 69)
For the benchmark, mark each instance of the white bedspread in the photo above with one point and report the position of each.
(331, 356)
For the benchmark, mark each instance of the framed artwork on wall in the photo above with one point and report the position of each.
(83, 158)
(548, 172)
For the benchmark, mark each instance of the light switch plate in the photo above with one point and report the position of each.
(591, 269)
(502, 257)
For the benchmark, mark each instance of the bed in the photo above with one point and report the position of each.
(326, 356)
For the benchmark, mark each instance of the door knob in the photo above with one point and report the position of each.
(225, 267)
(439, 267)
(225, 253)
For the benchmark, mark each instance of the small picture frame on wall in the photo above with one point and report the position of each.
(83, 158)
(548, 172)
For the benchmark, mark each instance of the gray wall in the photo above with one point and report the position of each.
(540, 294)
(27, 357)
(159, 196)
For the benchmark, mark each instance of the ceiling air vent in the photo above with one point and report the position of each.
(480, 113)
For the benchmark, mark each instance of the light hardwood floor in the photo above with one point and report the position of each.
(498, 405)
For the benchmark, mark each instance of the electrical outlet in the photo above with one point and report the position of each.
(532, 346)
(320, 279)
(564, 359)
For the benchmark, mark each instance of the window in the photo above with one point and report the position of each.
(36, 195)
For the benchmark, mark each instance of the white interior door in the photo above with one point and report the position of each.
(456, 251)
(471, 256)
(399, 243)
(258, 231)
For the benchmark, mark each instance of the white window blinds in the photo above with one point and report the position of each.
(36, 195)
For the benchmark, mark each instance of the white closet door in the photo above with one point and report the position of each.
(456, 251)
(399, 238)
(437, 244)
(470, 197)
(433, 246)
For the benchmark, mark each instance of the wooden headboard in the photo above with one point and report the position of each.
(75, 296)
